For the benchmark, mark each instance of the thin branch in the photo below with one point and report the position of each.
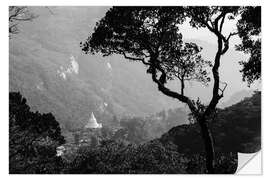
(17, 14)
(231, 34)
(222, 90)
(135, 59)
(221, 23)
(226, 42)
(226, 47)
(23, 19)
(210, 27)
(131, 58)
(221, 15)
(161, 87)
(13, 29)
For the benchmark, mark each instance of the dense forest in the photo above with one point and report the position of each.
(34, 139)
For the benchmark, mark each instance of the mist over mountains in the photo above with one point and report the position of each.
(49, 69)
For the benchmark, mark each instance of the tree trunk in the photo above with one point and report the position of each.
(182, 86)
(208, 144)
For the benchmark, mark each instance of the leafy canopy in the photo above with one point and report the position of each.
(33, 139)
(150, 35)
(249, 28)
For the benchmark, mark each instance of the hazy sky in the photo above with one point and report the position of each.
(205, 35)
(229, 66)
(229, 63)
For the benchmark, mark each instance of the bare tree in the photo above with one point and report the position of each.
(18, 14)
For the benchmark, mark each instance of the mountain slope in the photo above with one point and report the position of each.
(48, 67)
(235, 129)
(236, 97)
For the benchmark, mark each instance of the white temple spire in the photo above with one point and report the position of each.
(92, 123)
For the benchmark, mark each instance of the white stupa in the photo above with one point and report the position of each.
(92, 123)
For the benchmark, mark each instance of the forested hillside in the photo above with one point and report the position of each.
(236, 129)
(47, 66)
(34, 138)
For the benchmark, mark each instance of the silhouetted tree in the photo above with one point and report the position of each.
(249, 28)
(185, 63)
(33, 139)
(151, 35)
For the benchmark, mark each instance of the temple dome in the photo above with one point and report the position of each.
(92, 123)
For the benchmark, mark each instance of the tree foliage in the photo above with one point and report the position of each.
(153, 157)
(149, 35)
(33, 138)
(249, 28)
(33, 142)
(135, 130)
(114, 157)
(186, 64)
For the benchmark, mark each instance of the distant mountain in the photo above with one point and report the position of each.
(48, 67)
(237, 97)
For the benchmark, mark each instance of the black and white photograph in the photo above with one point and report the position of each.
(133, 89)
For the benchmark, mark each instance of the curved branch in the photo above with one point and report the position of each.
(135, 59)
(231, 34)
(221, 40)
(226, 42)
(221, 15)
(119, 51)
(221, 23)
(215, 97)
(161, 87)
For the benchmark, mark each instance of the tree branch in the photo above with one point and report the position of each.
(222, 90)
(161, 87)
(119, 51)
(135, 59)
(226, 42)
(231, 34)
(221, 15)
(221, 23)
